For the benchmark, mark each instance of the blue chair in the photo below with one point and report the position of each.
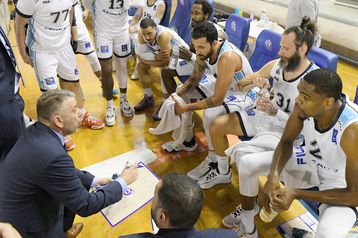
(356, 97)
(212, 3)
(180, 21)
(266, 49)
(323, 58)
(237, 29)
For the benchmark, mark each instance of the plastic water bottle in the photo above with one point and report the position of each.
(263, 15)
(267, 216)
(173, 61)
(261, 119)
(264, 21)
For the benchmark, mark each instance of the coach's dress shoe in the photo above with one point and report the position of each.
(74, 230)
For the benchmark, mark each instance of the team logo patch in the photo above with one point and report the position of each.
(88, 45)
(204, 79)
(334, 136)
(50, 81)
(182, 62)
(268, 45)
(231, 98)
(104, 49)
(250, 112)
(76, 71)
(125, 47)
(233, 26)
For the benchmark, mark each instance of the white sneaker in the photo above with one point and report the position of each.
(241, 232)
(234, 218)
(213, 177)
(126, 108)
(175, 146)
(200, 170)
(135, 75)
(110, 119)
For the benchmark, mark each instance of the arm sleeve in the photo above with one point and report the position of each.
(25, 8)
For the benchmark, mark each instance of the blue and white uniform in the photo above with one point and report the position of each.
(48, 40)
(110, 28)
(285, 93)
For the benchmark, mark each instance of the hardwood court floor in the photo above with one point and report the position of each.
(95, 146)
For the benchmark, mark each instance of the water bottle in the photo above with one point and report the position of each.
(173, 61)
(267, 216)
(261, 119)
(263, 19)
(263, 15)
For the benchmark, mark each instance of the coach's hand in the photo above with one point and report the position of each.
(130, 174)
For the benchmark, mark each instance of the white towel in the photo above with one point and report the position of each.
(265, 141)
(169, 121)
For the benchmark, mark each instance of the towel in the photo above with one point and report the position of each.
(171, 122)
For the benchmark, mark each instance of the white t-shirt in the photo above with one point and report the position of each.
(49, 28)
(110, 17)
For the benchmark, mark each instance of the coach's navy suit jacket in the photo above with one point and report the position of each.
(186, 233)
(38, 178)
(11, 103)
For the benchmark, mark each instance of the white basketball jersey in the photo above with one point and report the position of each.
(285, 92)
(81, 27)
(245, 70)
(151, 11)
(49, 26)
(110, 17)
(154, 47)
(325, 148)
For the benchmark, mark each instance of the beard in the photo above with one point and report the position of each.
(208, 55)
(291, 63)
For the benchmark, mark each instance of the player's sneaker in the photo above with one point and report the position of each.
(91, 122)
(242, 234)
(200, 170)
(69, 144)
(126, 108)
(234, 218)
(213, 177)
(147, 101)
(110, 119)
(175, 146)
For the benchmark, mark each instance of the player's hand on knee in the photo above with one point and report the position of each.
(130, 174)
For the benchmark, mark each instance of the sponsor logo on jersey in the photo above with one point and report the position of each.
(50, 81)
(250, 112)
(182, 62)
(125, 47)
(231, 98)
(88, 45)
(104, 49)
(334, 136)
